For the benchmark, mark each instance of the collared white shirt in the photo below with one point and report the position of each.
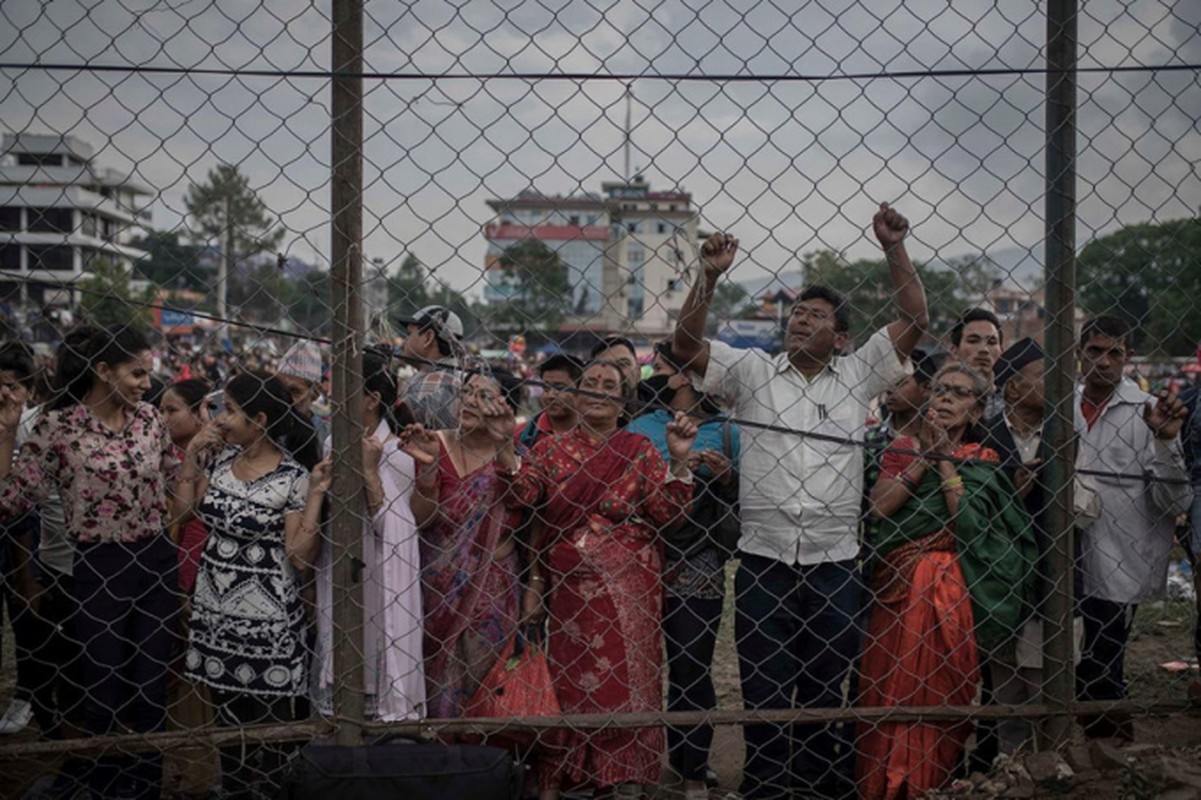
(801, 497)
(1125, 553)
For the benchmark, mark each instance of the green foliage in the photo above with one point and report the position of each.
(540, 287)
(407, 289)
(1149, 274)
(225, 211)
(107, 298)
(868, 286)
(171, 264)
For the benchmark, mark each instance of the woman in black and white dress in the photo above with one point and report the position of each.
(261, 508)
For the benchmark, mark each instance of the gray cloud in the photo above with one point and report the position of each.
(790, 166)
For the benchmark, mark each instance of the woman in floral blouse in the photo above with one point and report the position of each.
(604, 494)
(112, 460)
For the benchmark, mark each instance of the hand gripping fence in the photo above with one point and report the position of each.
(552, 378)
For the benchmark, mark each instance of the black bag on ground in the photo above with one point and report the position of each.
(410, 769)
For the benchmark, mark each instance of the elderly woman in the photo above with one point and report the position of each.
(603, 493)
(954, 560)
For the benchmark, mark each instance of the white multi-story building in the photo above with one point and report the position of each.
(626, 252)
(59, 215)
(652, 242)
(574, 226)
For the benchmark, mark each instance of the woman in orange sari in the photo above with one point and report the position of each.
(951, 576)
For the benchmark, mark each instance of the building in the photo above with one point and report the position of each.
(626, 250)
(652, 241)
(59, 215)
(574, 226)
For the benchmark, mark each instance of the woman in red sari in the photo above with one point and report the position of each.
(950, 577)
(469, 559)
(603, 494)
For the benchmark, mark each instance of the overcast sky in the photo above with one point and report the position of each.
(790, 167)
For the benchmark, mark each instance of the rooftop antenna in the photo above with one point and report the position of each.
(629, 114)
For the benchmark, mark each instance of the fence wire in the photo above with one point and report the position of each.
(650, 396)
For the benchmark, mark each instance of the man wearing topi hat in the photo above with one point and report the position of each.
(1016, 436)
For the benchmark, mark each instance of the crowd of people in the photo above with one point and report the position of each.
(175, 535)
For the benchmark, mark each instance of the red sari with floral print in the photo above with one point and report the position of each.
(604, 502)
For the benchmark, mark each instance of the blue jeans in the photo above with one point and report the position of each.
(796, 631)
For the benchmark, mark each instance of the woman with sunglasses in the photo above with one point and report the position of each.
(951, 577)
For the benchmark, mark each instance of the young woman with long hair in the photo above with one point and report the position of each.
(261, 510)
(112, 460)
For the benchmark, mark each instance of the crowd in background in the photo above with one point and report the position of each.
(165, 535)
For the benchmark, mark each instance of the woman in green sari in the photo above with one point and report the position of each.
(951, 576)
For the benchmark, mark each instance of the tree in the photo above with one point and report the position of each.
(107, 298)
(171, 264)
(407, 290)
(1150, 275)
(867, 285)
(978, 275)
(540, 286)
(730, 301)
(227, 213)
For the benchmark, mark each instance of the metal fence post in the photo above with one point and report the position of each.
(348, 498)
(1059, 674)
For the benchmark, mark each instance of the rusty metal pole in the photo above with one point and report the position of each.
(1059, 673)
(347, 495)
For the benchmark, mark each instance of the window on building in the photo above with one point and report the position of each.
(574, 219)
(636, 255)
(671, 207)
(10, 256)
(56, 258)
(661, 227)
(633, 228)
(51, 220)
(10, 218)
(39, 160)
(88, 228)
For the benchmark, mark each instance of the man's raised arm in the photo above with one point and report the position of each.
(891, 228)
(688, 344)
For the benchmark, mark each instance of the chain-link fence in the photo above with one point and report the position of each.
(742, 398)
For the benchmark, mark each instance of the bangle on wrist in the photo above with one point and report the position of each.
(952, 483)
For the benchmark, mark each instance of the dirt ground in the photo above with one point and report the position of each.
(1162, 633)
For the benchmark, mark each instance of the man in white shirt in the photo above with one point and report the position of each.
(1124, 555)
(798, 590)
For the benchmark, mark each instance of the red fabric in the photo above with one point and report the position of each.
(517, 686)
(1091, 412)
(920, 652)
(192, 537)
(604, 502)
(471, 598)
(893, 461)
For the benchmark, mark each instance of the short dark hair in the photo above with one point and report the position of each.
(1106, 325)
(842, 309)
(613, 340)
(17, 358)
(925, 365)
(975, 315)
(192, 391)
(562, 361)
